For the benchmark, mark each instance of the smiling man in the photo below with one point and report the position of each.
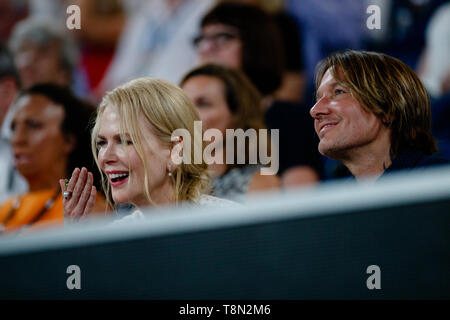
(372, 113)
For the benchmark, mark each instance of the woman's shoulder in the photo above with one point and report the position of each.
(208, 200)
(203, 200)
(134, 216)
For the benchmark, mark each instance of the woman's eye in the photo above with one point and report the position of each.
(100, 144)
(201, 103)
(125, 142)
(34, 124)
(338, 92)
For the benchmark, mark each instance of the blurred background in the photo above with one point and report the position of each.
(121, 40)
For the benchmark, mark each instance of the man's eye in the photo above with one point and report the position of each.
(338, 92)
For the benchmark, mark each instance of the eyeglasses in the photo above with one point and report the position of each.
(217, 39)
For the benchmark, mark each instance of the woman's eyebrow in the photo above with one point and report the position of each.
(116, 136)
(119, 136)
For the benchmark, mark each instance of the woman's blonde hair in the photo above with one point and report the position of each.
(166, 108)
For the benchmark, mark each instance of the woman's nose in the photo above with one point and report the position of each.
(19, 135)
(108, 153)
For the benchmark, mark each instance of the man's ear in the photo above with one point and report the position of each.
(386, 120)
(70, 143)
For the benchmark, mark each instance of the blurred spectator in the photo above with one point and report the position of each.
(50, 137)
(328, 26)
(43, 53)
(293, 82)
(156, 40)
(10, 181)
(440, 109)
(11, 11)
(9, 81)
(243, 36)
(435, 68)
(403, 24)
(226, 99)
(102, 22)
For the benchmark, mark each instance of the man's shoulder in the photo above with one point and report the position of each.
(436, 158)
(417, 159)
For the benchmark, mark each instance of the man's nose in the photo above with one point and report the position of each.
(320, 108)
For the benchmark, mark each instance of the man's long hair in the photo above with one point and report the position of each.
(391, 90)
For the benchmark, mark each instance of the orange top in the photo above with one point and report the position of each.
(31, 204)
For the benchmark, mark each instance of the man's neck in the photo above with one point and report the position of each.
(370, 161)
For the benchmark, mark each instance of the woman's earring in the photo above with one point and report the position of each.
(169, 168)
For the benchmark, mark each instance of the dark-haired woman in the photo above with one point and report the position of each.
(226, 99)
(50, 137)
(244, 37)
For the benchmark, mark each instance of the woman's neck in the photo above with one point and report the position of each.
(39, 184)
(46, 180)
(216, 169)
(163, 195)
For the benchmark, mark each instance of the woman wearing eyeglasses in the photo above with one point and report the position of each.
(244, 37)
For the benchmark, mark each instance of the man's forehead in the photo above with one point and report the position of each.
(333, 74)
(328, 81)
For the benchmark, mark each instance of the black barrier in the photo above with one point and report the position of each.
(399, 251)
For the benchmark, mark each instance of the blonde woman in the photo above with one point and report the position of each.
(132, 145)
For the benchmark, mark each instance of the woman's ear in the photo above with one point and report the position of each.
(176, 152)
(70, 143)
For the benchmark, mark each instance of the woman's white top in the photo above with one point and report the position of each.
(204, 200)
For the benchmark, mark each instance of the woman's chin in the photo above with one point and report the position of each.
(119, 199)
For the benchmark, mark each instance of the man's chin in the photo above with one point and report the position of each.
(331, 151)
(324, 148)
